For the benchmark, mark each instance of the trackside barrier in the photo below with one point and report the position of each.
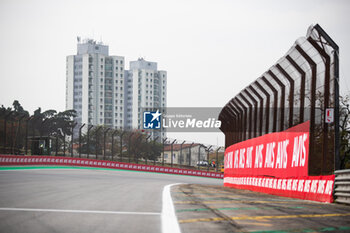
(342, 186)
(314, 188)
(64, 161)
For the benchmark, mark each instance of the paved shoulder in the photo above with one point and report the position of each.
(206, 208)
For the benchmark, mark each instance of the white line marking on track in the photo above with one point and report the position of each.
(169, 219)
(79, 211)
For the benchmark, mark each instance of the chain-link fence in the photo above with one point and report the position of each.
(99, 142)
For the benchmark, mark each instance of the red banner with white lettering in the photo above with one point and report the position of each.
(282, 154)
(277, 163)
(315, 188)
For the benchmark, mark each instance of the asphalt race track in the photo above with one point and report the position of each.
(85, 200)
(70, 199)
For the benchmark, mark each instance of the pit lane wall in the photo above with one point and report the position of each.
(277, 163)
(6, 160)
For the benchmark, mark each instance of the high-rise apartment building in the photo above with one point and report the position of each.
(145, 89)
(95, 85)
(103, 93)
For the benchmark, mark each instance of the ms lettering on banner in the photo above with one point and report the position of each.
(282, 154)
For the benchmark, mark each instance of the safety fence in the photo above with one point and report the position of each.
(302, 86)
(64, 161)
(282, 130)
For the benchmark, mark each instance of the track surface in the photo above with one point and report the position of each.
(107, 200)
(81, 200)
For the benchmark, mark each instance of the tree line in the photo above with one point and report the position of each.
(22, 133)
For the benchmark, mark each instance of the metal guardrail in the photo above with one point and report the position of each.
(342, 186)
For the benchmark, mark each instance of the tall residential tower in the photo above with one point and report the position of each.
(103, 93)
(145, 89)
(95, 85)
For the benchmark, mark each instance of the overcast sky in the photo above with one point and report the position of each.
(210, 49)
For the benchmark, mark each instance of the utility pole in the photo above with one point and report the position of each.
(164, 140)
(181, 152)
(104, 143)
(114, 132)
(172, 152)
(80, 128)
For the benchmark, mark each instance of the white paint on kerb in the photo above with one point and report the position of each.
(169, 219)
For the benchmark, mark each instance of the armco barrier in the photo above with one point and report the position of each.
(64, 161)
(342, 186)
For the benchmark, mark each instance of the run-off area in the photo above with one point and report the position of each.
(208, 208)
